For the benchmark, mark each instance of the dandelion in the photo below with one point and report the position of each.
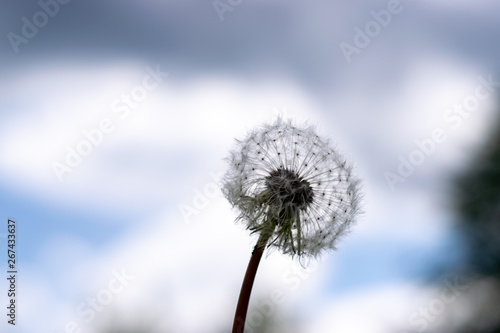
(294, 189)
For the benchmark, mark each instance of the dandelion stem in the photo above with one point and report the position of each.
(246, 288)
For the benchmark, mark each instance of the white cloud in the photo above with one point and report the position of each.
(188, 275)
(176, 136)
(374, 310)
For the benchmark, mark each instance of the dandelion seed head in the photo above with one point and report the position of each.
(288, 181)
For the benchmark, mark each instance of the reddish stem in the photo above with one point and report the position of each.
(246, 288)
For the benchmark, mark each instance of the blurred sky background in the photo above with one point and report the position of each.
(123, 208)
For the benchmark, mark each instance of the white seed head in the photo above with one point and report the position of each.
(291, 183)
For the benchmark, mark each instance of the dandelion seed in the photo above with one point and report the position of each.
(294, 199)
(277, 193)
